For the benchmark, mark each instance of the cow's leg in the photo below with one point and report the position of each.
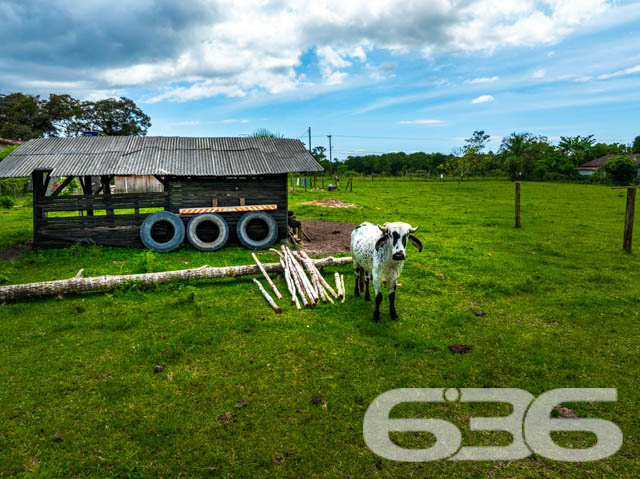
(367, 278)
(392, 302)
(357, 271)
(376, 290)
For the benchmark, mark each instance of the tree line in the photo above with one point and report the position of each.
(520, 156)
(23, 117)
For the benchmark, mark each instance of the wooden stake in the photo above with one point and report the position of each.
(269, 299)
(338, 284)
(314, 282)
(273, 286)
(344, 291)
(290, 285)
(309, 289)
(296, 279)
(310, 264)
(628, 220)
(517, 205)
(273, 250)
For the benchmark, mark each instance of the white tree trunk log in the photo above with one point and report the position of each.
(273, 286)
(269, 299)
(294, 276)
(309, 289)
(309, 262)
(338, 285)
(102, 283)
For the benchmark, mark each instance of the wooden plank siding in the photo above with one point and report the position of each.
(185, 192)
(117, 229)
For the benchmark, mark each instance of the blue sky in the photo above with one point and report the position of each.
(378, 76)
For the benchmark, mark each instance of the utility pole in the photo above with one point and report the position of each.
(309, 139)
(330, 156)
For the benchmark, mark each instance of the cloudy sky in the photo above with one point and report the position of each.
(377, 75)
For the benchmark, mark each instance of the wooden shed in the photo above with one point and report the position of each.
(195, 172)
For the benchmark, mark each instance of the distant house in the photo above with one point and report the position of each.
(6, 142)
(588, 168)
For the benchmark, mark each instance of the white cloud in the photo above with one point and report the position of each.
(238, 48)
(421, 122)
(185, 123)
(539, 74)
(234, 120)
(482, 99)
(483, 80)
(626, 71)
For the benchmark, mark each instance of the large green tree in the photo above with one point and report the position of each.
(22, 117)
(26, 116)
(635, 148)
(116, 117)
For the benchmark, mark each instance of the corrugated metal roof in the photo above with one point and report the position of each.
(149, 155)
(601, 161)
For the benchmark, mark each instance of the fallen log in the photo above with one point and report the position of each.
(103, 283)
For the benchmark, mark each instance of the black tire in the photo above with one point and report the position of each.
(267, 241)
(162, 247)
(197, 242)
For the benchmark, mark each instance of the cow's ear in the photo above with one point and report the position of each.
(416, 242)
(381, 242)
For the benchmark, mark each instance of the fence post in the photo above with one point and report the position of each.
(517, 205)
(628, 219)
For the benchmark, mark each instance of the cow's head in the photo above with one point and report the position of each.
(396, 235)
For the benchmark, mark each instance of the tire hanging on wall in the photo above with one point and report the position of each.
(197, 242)
(245, 239)
(162, 247)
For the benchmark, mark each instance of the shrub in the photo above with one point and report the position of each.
(621, 169)
(6, 202)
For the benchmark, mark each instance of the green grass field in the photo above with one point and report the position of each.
(79, 396)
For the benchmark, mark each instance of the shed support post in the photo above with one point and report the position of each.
(37, 178)
(86, 189)
(106, 191)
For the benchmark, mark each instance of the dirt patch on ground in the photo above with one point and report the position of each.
(332, 203)
(327, 237)
(14, 252)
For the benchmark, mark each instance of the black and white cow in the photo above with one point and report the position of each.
(378, 254)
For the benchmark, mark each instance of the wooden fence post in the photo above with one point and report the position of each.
(517, 205)
(628, 219)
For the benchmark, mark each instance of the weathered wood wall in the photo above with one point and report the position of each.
(113, 228)
(137, 184)
(198, 191)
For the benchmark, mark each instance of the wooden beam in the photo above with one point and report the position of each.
(61, 187)
(105, 180)
(36, 179)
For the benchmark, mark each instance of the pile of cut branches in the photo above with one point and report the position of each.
(304, 280)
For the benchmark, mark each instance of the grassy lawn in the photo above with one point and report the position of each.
(79, 396)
